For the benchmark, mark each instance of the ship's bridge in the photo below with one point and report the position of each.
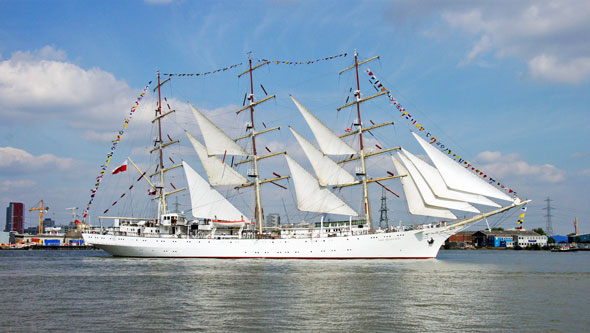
(172, 219)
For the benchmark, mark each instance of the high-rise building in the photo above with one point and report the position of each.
(273, 220)
(48, 223)
(15, 217)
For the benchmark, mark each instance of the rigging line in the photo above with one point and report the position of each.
(431, 123)
(501, 218)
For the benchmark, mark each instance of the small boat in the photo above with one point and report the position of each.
(565, 248)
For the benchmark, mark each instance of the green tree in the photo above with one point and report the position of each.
(498, 229)
(540, 231)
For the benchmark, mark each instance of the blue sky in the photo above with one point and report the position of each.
(504, 83)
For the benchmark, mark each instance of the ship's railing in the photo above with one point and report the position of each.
(414, 227)
(285, 233)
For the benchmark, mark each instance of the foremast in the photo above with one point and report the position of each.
(160, 188)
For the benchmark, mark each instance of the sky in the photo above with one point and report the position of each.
(503, 83)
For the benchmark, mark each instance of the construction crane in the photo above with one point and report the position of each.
(41, 210)
(78, 224)
(73, 209)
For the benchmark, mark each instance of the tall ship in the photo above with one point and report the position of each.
(215, 228)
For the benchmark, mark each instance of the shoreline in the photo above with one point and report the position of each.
(50, 247)
(506, 249)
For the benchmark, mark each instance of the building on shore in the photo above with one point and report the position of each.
(48, 223)
(530, 238)
(15, 217)
(72, 237)
(508, 238)
(273, 220)
(584, 238)
(462, 238)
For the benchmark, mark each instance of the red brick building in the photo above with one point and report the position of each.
(462, 237)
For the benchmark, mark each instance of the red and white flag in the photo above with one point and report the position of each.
(120, 168)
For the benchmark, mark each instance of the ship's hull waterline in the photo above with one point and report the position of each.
(413, 244)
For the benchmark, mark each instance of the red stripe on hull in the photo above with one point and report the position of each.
(282, 258)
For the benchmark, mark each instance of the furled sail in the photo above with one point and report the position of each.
(329, 142)
(426, 192)
(438, 186)
(218, 172)
(416, 205)
(206, 202)
(457, 177)
(313, 198)
(216, 141)
(327, 171)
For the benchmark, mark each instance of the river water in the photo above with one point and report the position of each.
(459, 291)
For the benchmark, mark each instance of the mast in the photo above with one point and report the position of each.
(161, 151)
(362, 155)
(255, 160)
(257, 182)
(160, 189)
(362, 149)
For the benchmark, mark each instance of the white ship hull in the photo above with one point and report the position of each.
(413, 244)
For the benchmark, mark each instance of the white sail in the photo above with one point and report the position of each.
(327, 171)
(416, 204)
(218, 172)
(438, 186)
(329, 142)
(313, 198)
(457, 177)
(426, 192)
(206, 202)
(216, 141)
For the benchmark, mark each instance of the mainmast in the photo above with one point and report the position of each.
(255, 158)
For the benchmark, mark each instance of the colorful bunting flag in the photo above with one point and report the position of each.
(202, 74)
(308, 62)
(129, 189)
(521, 217)
(112, 149)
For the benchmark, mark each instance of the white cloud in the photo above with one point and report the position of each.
(547, 35)
(512, 165)
(95, 136)
(42, 85)
(549, 67)
(10, 186)
(17, 161)
(578, 155)
(585, 172)
(45, 53)
(482, 46)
